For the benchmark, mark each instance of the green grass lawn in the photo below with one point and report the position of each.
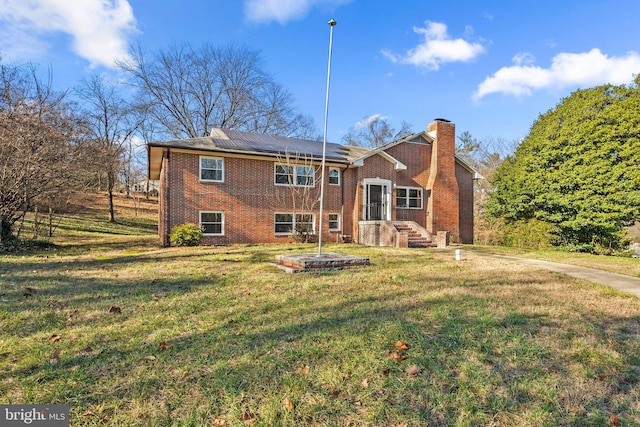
(127, 333)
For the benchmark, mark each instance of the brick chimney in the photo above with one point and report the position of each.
(443, 203)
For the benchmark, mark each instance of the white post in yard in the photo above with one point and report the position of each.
(332, 24)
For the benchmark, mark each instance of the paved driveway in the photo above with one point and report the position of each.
(619, 281)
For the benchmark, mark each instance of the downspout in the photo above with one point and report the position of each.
(167, 202)
(342, 201)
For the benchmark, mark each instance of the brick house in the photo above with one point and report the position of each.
(252, 188)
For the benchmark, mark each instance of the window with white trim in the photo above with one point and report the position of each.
(408, 198)
(211, 169)
(212, 223)
(334, 222)
(334, 176)
(286, 223)
(301, 176)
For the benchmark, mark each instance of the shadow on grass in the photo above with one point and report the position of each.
(473, 362)
(479, 366)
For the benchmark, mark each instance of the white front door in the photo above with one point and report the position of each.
(377, 202)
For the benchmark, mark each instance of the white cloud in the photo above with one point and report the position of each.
(98, 28)
(367, 120)
(523, 58)
(283, 11)
(567, 69)
(437, 48)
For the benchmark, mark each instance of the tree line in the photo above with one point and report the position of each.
(55, 143)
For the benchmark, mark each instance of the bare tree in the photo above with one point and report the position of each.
(40, 143)
(300, 192)
(374, 131)
(111, 123)
(189, 91)
(484, 156)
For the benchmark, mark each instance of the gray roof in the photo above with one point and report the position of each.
(229, 140)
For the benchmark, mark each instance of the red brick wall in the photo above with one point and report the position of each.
(465, 184)
(417, 158)
(163, 231)
(248, 198)
(350, 212)
(443, 206)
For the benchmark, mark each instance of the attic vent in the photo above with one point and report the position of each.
(218, 134)
(442, 120)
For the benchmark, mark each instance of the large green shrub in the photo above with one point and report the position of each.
(531, 234)
(578, 170)
(188, 234)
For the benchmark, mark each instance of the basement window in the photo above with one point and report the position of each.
(286, 223)
(212, 223)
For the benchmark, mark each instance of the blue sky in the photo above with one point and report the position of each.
(491, 67)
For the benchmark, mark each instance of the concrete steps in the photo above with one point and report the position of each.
(416, 240)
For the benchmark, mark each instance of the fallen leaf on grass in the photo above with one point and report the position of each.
(74, 368)
(304, 370)
(413, 370)
(164, 345)
(396, 356)
(497, 351)
(154, 297)
(54, 357)
(364, 383)
(401, 345)
(115, 310)
(287, 404)
(87, 349)
(149, 358)
(249, 418)
(615, 421)
(88, 414)
(218, 422)
(53, 338)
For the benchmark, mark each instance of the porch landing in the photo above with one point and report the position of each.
(300, 263)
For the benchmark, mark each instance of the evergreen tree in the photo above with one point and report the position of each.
(578, 169)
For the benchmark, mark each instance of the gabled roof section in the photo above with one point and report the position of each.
(429, 137)
(414, 137)
(397, 164)
(467, 166)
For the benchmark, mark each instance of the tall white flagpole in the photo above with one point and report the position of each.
(332, 24)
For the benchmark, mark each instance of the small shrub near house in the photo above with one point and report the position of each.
(186, 235)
